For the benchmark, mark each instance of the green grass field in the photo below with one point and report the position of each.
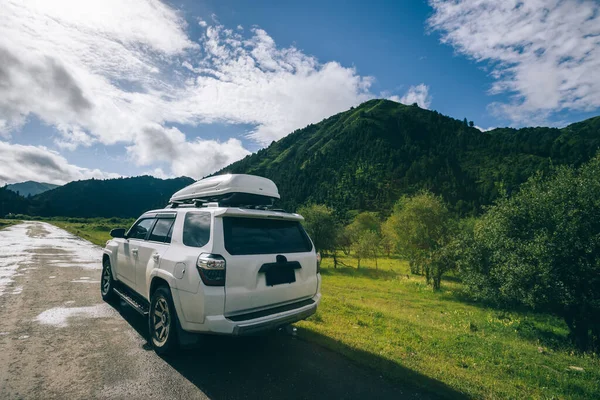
(8, 222)
(96, 230)
(391, 321)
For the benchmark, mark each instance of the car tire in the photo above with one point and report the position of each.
(162, 321)
(107, 283)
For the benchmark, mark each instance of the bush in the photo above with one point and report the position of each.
(541, 248)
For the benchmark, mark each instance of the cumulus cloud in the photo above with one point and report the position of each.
(155, 143)
(38, 163)
(250, 80)
(544, 53)
(103, 72)
(416, 94)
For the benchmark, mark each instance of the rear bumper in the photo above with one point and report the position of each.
(252, 326)
(255, 322)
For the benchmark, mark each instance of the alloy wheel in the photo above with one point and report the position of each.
(106, 279)
(161, 322)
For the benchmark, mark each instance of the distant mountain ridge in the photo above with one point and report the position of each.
(121, 197)
(30, 188)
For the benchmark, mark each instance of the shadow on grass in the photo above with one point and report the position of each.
(280, 365)
(534, 333)
(362, 272)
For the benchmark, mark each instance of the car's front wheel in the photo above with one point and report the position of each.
(163, 321)
(107, 282)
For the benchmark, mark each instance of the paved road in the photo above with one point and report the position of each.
(59, 340)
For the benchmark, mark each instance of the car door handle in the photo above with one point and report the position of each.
(155, 256)
(134, 252)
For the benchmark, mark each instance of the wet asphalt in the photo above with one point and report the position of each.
(59, 340)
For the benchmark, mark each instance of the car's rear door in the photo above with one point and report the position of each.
(269, 261)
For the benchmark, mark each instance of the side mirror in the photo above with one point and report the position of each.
(118, 233)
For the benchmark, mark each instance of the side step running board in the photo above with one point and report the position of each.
(141, 308)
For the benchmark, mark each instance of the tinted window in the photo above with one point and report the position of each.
(264, 236)
(160, 232)
(140, 230)
(196, 229)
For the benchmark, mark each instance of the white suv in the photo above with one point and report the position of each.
(213, 269)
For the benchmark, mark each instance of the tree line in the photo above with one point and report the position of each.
(538, 247)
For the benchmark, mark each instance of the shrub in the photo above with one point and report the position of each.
(541, 248)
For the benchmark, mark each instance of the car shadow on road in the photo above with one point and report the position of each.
(281, 365)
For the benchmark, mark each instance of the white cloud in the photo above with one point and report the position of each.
(103, 72)
(37, 163)
(485, 129)
(544, 53)
(250, 80)
(158, 173)
(416, 94)
(197, 158)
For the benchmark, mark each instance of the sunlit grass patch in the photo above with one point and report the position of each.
(475, 349)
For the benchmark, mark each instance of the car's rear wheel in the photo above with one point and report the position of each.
(107, 282)
(163, 321)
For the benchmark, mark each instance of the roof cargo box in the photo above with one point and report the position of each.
(229, 190)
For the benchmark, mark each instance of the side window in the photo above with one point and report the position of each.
(140, 230)
(196, 229)
(161, 231)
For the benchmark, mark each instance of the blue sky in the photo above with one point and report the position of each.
(187, 87)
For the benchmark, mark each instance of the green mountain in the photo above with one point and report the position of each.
(121, 197)
(30, 188)
(361, 159)
(369, 156)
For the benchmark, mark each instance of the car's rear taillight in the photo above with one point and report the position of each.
(318, 262)
(212, 269)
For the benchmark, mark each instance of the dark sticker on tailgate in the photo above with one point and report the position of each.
(278, 273)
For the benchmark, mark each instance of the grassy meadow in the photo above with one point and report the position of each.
(391, 321)
(7, 222)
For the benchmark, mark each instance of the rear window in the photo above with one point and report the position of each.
(264, 236)
(162, 231)
(196, 229)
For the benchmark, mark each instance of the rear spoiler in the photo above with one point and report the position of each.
(264, 214)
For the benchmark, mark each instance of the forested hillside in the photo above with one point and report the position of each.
(367, 157)
(122, 197)
(10, 202)
(362, 159)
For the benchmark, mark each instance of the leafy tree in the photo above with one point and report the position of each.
(423, 227)
(363, 233)
(344, 240)
(323, 228)
(389, 238)
(541, 248)
(366, 246)
(363, 222)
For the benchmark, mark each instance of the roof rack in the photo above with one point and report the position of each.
(217, 204)
(227, 202)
